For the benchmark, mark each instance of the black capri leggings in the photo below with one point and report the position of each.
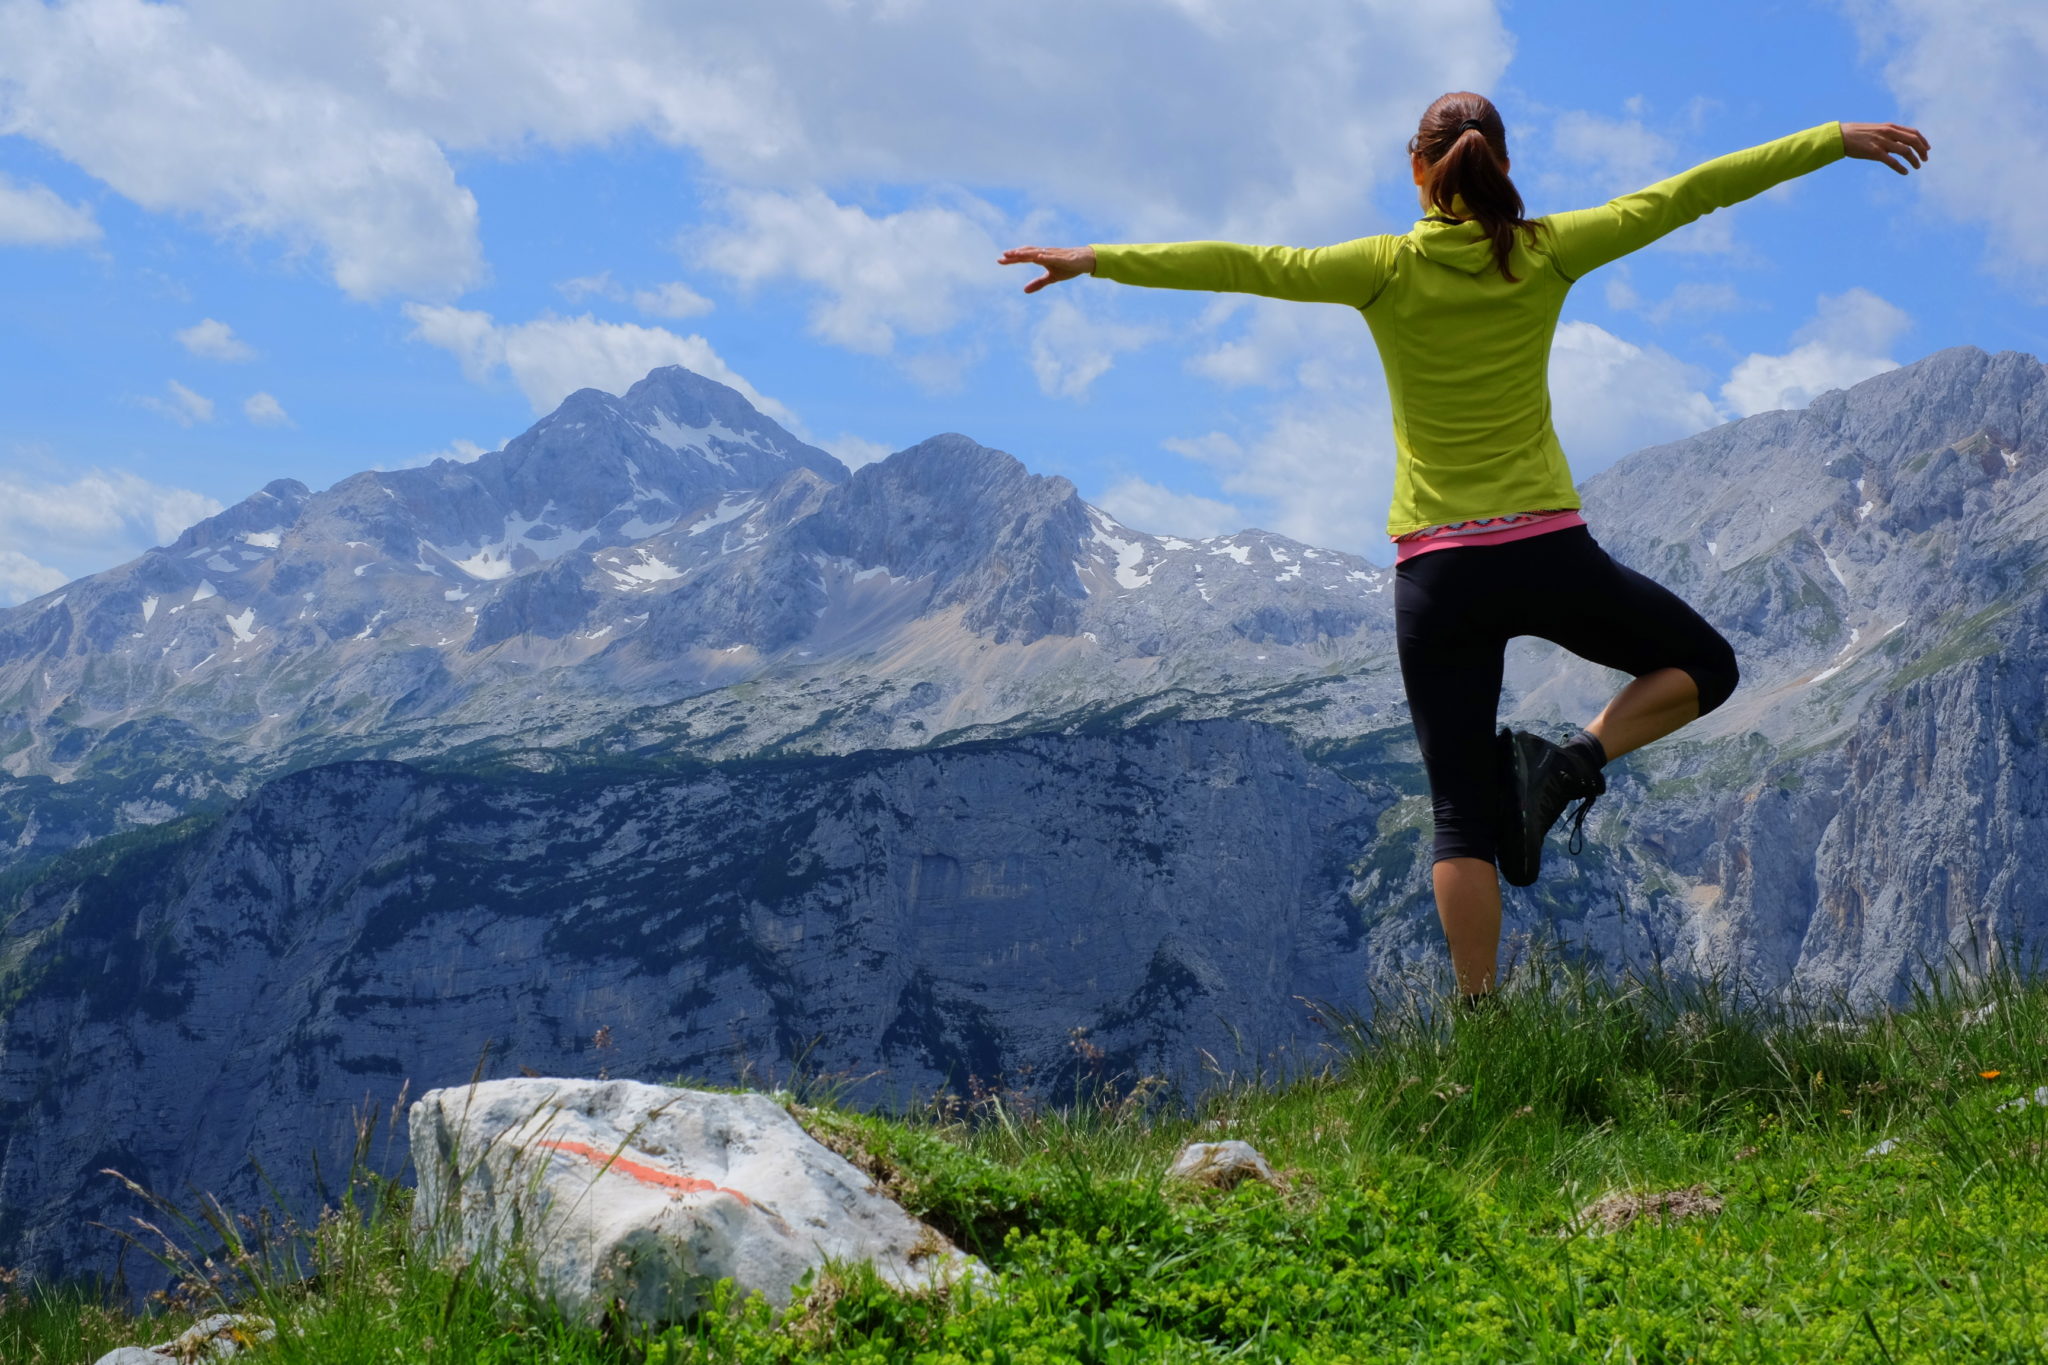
(1454, 613)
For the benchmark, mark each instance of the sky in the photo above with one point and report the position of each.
(242, 241)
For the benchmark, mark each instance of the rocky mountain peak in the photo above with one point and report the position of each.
(262, 514)
(616, 467)
(987, 531)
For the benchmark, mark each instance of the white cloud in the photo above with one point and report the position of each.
(1297, 105)
(671, 300)
(183, 406)
(855, 451)
(22, 578)
(460, 450)
(1844, 343)
(265, 411)
(1594, 158)
(1147, 506)
(585, 286)
(943, 368)
(552, 357)
(1281, 342)
(1970, 78)
(472, 337)
(1320, 470)
(1692, 298)
(331, 127)
(249, 120)
(33, 215)
(913, 272)
(1697, 299)
(1610, 397)
(1317, 463)
(84, 525)
(1071, 350)
(214, 340)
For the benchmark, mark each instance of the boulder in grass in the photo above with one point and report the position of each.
(220, 1337)
(621, 1197)
(1221, 1164)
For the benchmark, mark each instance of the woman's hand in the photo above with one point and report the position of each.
(1880, 141)
(1060, 262)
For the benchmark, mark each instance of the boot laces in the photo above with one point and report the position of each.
(1576, 844)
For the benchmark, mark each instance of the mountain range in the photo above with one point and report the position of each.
(664, 729)
(610, 578)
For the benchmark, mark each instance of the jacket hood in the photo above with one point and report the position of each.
(1461, 246)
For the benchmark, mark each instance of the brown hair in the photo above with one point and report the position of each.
(1466, 163)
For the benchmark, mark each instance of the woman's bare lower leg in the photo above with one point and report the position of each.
(1468, 903)
(1468, 889)
(1649, 708)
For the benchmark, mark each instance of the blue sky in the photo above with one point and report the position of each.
(242, 241)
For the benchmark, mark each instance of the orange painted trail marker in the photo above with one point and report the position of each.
(648, 1175)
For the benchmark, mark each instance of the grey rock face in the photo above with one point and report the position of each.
(942, 919)
(1865, 807)
(999, 767)
(624, 563)
(234, 628)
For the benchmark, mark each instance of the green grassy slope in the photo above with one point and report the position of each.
(1431, 1210)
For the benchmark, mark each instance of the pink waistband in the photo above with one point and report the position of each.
(1519, 526)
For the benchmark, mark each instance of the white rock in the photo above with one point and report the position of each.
(1885, 1148)
(219, 1337)
(1221, 1163)
(615, 1190)
(2040, 1097)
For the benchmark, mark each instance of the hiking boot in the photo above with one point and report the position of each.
(1537, 781)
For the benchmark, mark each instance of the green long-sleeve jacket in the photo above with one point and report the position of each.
(1466, 352)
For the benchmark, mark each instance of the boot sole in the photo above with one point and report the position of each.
(1516, 866)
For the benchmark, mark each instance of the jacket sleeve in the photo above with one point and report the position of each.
(1587, 239)
(1350, 272)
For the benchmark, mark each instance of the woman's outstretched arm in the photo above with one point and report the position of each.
(1587, 239)
(1348, 272)
(1060, 262)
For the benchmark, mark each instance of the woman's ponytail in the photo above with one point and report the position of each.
(1463, 146)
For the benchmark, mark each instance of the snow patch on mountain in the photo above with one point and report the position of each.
(675, 436)
(1129, 554)
(500, 557)
(644, 569)
(727, 510)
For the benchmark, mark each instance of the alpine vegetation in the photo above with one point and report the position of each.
(662, 728)
(1591, 1168)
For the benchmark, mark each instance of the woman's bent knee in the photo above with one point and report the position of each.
(1715, 675)
(1463, 838)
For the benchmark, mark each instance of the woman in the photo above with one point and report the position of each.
(1487, 537)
